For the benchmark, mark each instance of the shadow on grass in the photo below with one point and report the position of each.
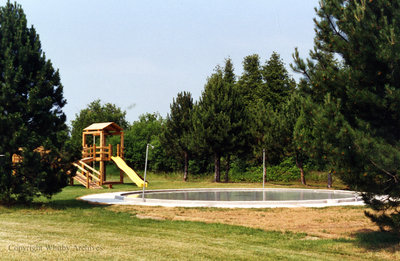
(69, 197)
(57, 204)
(376, 240)
(62, 204)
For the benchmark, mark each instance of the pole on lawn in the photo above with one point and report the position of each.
(264, 174)
(264, 170)
(145, 169)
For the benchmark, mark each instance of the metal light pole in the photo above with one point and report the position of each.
(264, 174)
(145, 169)
(264, 170)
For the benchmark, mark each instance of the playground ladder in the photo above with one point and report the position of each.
(83, 180)
(86, 175)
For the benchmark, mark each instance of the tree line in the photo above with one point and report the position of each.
(342, 116)
(228, 123)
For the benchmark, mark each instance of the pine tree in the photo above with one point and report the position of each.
(355, 63)
(178, 129)
(32, 124)
(278, 86)
(229, 74)
(289, 116)
(311, 132)
(240, 135)
(251, 81)
(265, 88)
(219, 118)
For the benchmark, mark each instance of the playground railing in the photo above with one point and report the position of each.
(94, 171)
(120, 151)
(98, 153)
(89, 172)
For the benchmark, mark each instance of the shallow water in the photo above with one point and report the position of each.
(242, 195)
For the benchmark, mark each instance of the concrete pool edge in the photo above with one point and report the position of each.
(118, 198)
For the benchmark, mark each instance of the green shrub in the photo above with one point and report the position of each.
(285, 171)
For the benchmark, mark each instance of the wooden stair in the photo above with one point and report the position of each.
(82, 179)
(86, 175)
(87, 159)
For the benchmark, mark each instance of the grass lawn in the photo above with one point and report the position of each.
(68, 229)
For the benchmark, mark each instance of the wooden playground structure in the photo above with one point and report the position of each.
(93, 175)
(18, 159)
(94, 178)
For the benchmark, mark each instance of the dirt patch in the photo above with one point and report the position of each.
(149, 217)
(331, 222)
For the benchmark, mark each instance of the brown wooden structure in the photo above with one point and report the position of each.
(18, 158)
(88, 175)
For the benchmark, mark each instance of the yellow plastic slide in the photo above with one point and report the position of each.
(128, 171)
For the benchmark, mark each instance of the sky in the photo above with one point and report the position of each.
(139, 55)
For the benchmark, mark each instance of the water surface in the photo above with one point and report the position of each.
(243, 195)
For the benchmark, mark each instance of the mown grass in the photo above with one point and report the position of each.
(68, 229)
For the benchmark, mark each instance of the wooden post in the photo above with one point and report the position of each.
(87, 178)
(109, 152)
(102, 165)
(120, 153)
(83, 140)
(122, 145)
(94, 151)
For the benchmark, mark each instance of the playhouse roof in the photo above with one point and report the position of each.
(103, 126)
